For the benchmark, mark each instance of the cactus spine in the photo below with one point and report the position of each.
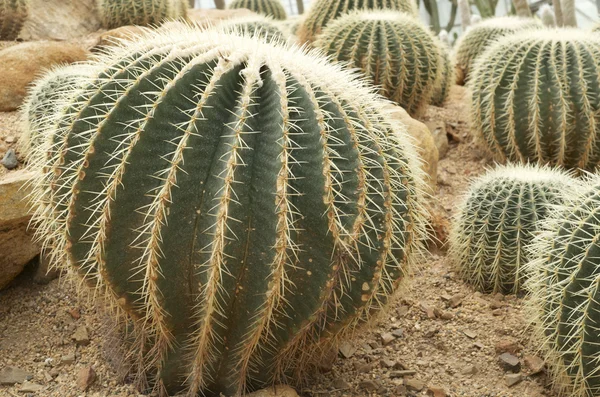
(478, 39)
(115, 13)
(245, 204)
(553, 115)
(323, 12)
(13, 14)
(271, 8)
(564, 303)
(255, 25)
(406, 65)
(498, 218)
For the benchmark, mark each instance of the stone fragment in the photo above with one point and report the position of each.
(508, 346)
(436, 391)
(387, 363)
(509, 362)
(534, 364)
(11, 375)
(470, 334)
(30, 387)
(387, 338)
(81, 336)
(455, 301)
(368, 385)
(414, 384)
(85, 378)
(347, 350)
(469, 370)
(398, 333)
(513, 379)
(402, 373)
(9, 161)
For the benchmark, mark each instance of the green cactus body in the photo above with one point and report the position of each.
(478, 38)
(498, 218)
(394, 50)
(245, 204)
(270, 8)
(322, 12)
(535, 98)
(13, 14)
(255, 25)
(565, 294)
(447, 77)
(116, 13)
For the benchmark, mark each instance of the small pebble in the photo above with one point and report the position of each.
(10, 160)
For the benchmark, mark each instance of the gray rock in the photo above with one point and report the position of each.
(402, 373)
(398, 333)
(81, 336)
(469, 370)
(9, 161)
(513, 379)
(368, 385)
(509, 362)
(30, 387)
(347, 350)
(12, 375)
(68, 359)
(387, 338)
(414, 384)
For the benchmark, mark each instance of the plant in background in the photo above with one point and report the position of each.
(323, 12)
(115, 13)
(243, 205)
(550, 116)
(499, 218)
(394, 50)
(271, 8)
(13, 14)
(447, 76)
(547, 16)
(255, 25)
(564, 305)
(479, 38)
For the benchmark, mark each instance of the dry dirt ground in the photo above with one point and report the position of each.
(442, 333)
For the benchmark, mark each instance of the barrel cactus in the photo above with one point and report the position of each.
(535, 98)
(115, 13)
(271, 8)
(479, 38)
(12, 17)
(322, 12)
(447, 77)
(244, 204)
(497, 220)
(564, 303)
(255, 25)
(394, 50)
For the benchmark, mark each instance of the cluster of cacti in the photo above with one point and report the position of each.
(480, 36)
(322, 12)
(498, 218)
(255, 25)
(565, 297)
(447, 77)
(115, 13)
(270, 8)
(244, 204)
(394, 50)
(535, 98)
(13, 14)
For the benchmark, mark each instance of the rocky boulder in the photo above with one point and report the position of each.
(60, 20)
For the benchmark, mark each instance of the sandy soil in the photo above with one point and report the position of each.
(445, 334)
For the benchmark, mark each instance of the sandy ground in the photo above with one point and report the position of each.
(445, 335)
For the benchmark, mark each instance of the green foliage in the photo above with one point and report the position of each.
(255, 25)
(271, 8)
(535, 98)
(565, 301)
(394, 50)
(322, 12)
(479, 38)
(498, 218)
(13, 14)
(116, 13)
(244, 205)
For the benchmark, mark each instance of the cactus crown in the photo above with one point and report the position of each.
(564, 304)
(116, 13)
(406, 64)
(498, 219)
(13, 14)
(323, 12)
(245, 204)
(271, 8)
(480, 36)
(255, 26)
(552, 116)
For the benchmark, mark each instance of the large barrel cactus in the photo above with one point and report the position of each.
(322, 12)
(565, 301)
(536, 98)
(12, 17)
(244, 204)
(478, 38)
(394, 50)
(498, 218)
(447, 77)
(115, 13)
(271, 8)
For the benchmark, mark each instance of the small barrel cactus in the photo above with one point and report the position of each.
(447, 77)
(565, 299)
(116, 13)
(324, 11)
(394, 50)
(13, 14)
(535, 98)
(243, 203)
(547, 16)
(498, 218)
(480, 36)
(256, 26)
(270, 8)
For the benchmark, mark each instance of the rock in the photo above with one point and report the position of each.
(534, 364)
(469, 370)
(368, 385)
(508, 346)
(470, 334)
(436, 391)
(398, 333)
(422, 139)
(403, 373)
(455, 301)
(387, 338)
(362, 368)
(340, 384)
(113, 36)
(16, 237)
(60, 20)
(30, 387)
(440, 137)
(11, 375)
(387, 363)
(513, 379)
(347, 350)
(23, 63)
(9, 161)
(68, 359)
(414, 384)
(75, 313)
(81, 336)
(509, 362)
(85, 378)
(428, 310)
(479, 345)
